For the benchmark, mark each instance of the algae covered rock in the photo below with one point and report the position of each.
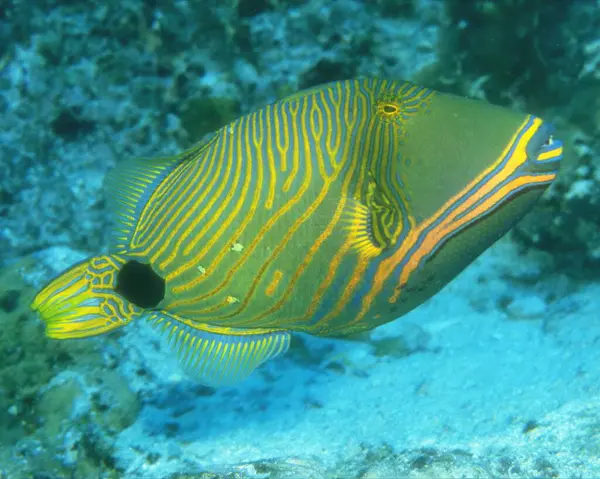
(202, 115)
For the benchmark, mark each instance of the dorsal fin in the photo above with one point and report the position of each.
(130, 184)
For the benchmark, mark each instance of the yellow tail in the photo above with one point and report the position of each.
(82, 301)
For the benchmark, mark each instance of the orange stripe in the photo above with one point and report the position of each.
(277, 275)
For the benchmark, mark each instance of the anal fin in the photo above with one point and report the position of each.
(219, 356)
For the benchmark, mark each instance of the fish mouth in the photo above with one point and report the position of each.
(81, 303)
(544, 150)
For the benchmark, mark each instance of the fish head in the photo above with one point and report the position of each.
(458, 174)
(466, 160)
(97, 295)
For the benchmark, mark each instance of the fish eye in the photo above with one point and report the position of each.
(549, 141)
(140, 284)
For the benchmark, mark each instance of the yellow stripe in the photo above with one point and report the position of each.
(270, 156)
(282, 138)
(549, 155)
(294, 109)
(267, 226)
(333, 142)
(167, 224)
(323, 236)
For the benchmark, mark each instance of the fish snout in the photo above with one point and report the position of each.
(544, 149)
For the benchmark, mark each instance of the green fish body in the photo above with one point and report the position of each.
(329, 212)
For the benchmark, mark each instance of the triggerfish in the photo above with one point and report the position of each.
(328, 212)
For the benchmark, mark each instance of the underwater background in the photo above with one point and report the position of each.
(496, 376)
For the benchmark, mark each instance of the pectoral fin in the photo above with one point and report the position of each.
(372, 221)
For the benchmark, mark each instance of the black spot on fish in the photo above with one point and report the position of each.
(139, 283)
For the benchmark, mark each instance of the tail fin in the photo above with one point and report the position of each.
(82, 301)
